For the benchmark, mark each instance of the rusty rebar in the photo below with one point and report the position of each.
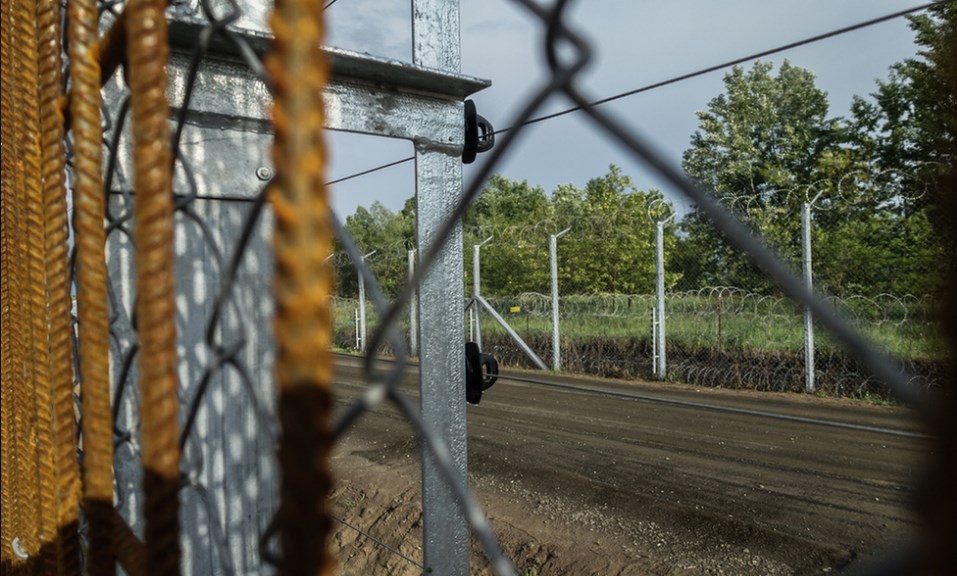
(38, 481)
(108, 53)
(9, 283)
(91, 280)
(147, 56)
(303, 286)
(130, 552)
(58, 306)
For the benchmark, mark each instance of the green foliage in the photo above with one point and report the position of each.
(507, 212)
(391, 235)
(757, 145)
(909, 127)
(609, 246)
(766, 146)
(763, 135)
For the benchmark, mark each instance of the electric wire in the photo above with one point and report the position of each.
(735, 62)
(379, 542)
(676, 79)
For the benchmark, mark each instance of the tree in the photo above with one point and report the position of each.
(905, 136)
(390, 235)
(611, 246)
(766, 145)
(763, 135)
(919, 102)
(758, 147)
(513, 261)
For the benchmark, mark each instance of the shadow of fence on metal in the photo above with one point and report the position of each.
(203, 371)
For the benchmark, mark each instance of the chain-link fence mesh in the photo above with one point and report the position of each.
(174, 274)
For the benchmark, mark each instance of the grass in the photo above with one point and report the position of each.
(903, 327)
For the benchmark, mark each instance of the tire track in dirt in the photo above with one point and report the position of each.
(584, 484)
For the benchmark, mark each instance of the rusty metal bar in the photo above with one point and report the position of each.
(303, 286)
(56, 262)
(39, 472)
(108, 54)
(10, 281)
(22, 453)
(129, 550)
(91, 278)
(111, 49)
(147, 56)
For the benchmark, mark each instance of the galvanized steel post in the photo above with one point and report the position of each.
(809, 282)
(413, 312)
(553, 254)
(362, 306)
(442, 365)
(662, 369)
(477, 288)
(435, 44)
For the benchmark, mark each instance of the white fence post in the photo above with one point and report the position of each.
(553, 253)
(809, 282)
(661, 364)
(362, 307)
(477, 287)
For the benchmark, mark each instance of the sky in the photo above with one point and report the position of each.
(635, 43)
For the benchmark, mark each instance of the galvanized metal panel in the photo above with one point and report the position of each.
(229, 459)
(230, 455)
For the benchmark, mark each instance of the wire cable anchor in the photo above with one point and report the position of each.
(481, 371)
(479, 134)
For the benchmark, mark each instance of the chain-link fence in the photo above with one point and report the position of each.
(207, 305)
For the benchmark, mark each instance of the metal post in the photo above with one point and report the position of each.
(809, 282)
(471, 309)
(362, 307)
(477, 287)
(413, 312)
(654, 341)
(445, 532)
(479, 301)
(662, 369)
(424, 107)
(442, 364)
(553, 254)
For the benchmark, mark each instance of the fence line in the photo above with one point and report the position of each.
(193, 416)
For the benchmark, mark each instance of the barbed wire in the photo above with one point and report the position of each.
(862, 310)
(830, 193)
(680, 78)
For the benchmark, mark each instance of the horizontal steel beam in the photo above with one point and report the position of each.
(366, 94)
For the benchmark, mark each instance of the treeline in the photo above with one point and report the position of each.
(765, 146)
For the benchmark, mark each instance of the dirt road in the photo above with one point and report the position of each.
(643, 478)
